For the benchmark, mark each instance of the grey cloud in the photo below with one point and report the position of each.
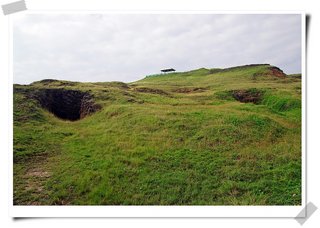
(126, 47)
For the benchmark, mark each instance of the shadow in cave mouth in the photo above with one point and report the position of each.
(67, 104)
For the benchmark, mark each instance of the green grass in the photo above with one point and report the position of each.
(144, 148)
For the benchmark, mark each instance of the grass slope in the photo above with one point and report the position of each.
(173, 139)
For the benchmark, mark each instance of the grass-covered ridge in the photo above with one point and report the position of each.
(205, 137)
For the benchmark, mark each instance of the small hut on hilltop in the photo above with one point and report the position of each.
(168, 70)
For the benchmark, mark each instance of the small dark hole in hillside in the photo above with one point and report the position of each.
(67, 104)
(248, 96)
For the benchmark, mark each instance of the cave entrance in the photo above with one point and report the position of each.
(67, 104)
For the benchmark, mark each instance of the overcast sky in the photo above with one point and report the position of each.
(124, 47)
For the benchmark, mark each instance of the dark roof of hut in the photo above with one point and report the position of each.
(168, 70)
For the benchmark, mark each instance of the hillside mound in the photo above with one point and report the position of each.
(203, 137)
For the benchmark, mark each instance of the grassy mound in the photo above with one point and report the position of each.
(205, 137)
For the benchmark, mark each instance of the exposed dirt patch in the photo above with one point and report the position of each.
(275, 71)
(248, 96)
(35, 180)
(150, 90)
(189, 90)
(67, 104)
(37, 173)
(271, 71)
(88, 106)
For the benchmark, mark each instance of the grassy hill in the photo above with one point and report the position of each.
(205, 137)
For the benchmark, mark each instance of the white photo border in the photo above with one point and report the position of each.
(160, 211)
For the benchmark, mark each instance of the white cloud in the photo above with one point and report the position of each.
(108, 47)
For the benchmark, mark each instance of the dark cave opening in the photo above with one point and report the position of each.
(67, 104)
